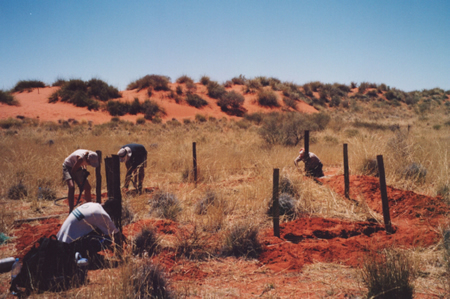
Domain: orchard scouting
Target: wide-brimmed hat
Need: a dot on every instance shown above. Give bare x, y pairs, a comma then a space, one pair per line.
124, 154
93, 159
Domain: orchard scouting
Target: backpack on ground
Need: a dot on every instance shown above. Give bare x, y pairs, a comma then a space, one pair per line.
50, 265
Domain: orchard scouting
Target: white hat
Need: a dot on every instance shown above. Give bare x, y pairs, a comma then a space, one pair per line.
124, 154
93, 159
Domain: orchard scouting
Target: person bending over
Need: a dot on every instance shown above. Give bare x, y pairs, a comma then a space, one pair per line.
74, 170
313, 165
135, 157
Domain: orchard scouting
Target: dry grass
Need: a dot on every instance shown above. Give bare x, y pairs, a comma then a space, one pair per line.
237, 165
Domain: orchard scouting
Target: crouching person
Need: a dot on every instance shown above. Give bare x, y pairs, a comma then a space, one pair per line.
313, 165
91, 228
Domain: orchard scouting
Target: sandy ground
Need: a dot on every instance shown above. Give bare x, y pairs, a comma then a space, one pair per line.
34, 104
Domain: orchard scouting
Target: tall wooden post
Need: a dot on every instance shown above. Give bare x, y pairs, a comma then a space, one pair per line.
384, 198
112, 170
98, 178
306, 154
194, 154
117, 192
346, 173
109, 175
276, 204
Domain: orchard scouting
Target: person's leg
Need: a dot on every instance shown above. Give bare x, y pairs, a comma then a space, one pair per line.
141, 179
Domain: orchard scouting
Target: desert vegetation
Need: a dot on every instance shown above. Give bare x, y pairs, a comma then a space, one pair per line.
223, 218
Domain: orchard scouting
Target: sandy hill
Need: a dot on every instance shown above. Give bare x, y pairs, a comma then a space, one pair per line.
34, 104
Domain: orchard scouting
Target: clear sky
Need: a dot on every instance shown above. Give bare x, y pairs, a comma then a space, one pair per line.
404, 44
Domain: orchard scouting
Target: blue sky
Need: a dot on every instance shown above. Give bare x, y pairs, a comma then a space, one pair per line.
404, 44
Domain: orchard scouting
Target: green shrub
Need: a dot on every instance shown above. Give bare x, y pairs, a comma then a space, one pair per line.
102, 91
179, 90
290, 103
231, 103
389, 275
215, 90
59, 82
135, 107
288, 128
184, 80
8, 99
156, 82
204, 80
242, 241
84, 94
195, 100
239, 80
267, 98
117, 108
27, 85
152, 110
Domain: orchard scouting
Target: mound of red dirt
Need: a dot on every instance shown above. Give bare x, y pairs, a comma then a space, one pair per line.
414, 217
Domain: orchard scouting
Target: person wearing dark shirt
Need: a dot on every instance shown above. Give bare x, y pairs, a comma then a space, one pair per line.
135, 157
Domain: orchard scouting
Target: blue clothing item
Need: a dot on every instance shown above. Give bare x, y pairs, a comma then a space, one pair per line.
138, 155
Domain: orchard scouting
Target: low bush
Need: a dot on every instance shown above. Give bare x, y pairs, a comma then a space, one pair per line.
146, 242
155, 82
267, 98
204, 80
369, 167
415, 172
215, 90
102, 91
288, 128
152, 111
8, 99
191, 243
148, 281
389, 275
18, 191
27, 85
286, 206
242, 241
200, 118
10, 123
231, 103
117, 108
165, 205
195, 100
290, 103
239, 80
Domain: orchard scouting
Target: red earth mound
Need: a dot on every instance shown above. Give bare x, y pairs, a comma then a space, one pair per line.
304, 241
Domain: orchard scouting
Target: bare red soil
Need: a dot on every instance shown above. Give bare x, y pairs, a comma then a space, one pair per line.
303, 241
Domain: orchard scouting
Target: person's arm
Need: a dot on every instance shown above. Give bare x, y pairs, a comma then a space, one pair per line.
79, 163
298, 159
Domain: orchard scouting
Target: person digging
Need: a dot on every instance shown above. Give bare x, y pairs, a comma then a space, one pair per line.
74, 170
313, 165
135, 157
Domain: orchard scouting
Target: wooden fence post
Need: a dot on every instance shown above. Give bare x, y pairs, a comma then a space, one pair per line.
194, 153
346, 173
276, 204
112, 170
306, 154
98, 178
384, 198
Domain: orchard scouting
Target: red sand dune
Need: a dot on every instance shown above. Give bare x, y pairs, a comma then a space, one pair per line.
34, 104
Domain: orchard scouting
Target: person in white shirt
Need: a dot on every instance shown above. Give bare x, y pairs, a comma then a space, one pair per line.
88, 218
74, 170
313, 165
